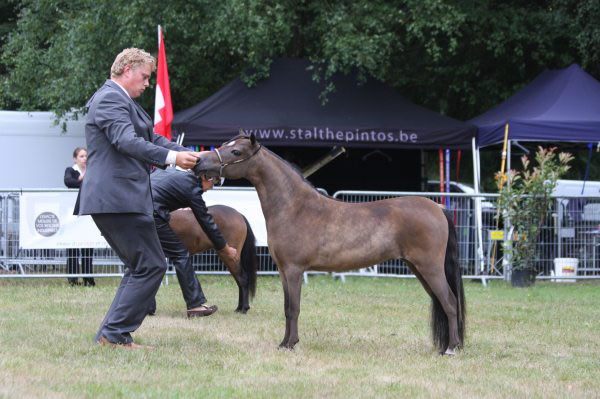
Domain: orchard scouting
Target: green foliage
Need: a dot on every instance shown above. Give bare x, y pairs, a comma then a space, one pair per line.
525, 199
459, 57
382, 39
62, 50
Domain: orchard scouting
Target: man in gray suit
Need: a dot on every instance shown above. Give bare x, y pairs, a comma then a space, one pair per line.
122, 149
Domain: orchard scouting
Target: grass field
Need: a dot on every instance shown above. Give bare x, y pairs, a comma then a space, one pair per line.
366, 338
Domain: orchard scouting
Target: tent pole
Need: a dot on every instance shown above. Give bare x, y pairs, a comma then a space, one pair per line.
457, 180
441, 157
476, 173
447, 176
504, 152
423, 171
324, 160
506, 261
587, 167
501, 184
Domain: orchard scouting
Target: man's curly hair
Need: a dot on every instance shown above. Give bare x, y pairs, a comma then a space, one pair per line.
131, 56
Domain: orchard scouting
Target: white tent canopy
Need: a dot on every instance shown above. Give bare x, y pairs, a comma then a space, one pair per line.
34, 152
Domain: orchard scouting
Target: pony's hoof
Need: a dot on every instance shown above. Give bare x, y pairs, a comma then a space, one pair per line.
449, 352
287, 345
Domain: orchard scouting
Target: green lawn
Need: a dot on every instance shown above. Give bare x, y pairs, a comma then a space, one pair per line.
366, 338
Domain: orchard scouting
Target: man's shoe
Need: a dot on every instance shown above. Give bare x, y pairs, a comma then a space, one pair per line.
152, 309
202, 311
133, 346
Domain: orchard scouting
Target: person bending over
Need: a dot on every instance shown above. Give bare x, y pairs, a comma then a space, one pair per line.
174, 189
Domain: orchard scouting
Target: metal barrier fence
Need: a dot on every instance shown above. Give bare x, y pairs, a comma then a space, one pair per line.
17, 262
572, 230
462, 209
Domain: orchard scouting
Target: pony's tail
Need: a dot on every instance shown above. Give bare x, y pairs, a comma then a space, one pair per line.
454, 278
249, 260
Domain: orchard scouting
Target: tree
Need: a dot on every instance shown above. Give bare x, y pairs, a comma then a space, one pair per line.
8, 16
459, 57
62, 49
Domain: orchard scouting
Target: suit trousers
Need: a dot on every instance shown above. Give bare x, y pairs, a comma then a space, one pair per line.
181, 259
133, 237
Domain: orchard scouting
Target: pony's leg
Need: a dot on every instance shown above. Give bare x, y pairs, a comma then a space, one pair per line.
450, 350
293, 277
421, 279
440, 288
286, 302
236, 278
244, 301
236, 273
240, 305
240, 294
243, 295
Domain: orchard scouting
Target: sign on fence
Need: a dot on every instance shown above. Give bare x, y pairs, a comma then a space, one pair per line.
245, 201
47, 221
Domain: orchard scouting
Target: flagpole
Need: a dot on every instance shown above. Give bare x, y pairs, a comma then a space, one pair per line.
163, 107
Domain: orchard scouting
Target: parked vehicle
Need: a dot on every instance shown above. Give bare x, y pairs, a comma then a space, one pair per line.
465, 222
574, 188
456, 187
575, 210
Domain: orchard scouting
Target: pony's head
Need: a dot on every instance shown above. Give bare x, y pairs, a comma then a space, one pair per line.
230, 160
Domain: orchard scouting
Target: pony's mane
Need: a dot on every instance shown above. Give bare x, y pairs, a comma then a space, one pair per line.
296, 170
239, 136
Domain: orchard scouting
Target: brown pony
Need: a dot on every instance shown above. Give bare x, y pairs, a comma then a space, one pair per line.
309, 231
236, 231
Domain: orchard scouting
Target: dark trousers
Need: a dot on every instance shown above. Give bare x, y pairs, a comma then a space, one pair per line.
133, 237
181, 259
86, 264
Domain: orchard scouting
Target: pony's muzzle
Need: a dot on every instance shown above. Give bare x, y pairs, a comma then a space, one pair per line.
197, 169
206, 166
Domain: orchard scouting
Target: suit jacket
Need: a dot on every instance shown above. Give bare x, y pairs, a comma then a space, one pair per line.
122, 148
174, 189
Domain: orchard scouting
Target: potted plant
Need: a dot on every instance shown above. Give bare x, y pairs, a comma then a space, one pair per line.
525, 199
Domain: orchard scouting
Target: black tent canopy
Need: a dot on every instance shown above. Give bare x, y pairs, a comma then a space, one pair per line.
285, 110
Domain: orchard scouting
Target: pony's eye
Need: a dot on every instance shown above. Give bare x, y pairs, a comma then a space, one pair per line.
236, 153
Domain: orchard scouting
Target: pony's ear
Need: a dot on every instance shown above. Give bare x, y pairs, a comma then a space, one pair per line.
252, 138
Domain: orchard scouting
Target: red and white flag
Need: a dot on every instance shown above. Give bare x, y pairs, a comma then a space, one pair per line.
163, 109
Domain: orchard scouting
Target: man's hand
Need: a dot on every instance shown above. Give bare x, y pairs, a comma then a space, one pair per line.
229, 255
186, 159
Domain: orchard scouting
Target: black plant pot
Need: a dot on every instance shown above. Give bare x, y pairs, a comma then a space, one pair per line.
522, 278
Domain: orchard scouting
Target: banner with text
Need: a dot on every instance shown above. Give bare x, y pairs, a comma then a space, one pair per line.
46, 220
